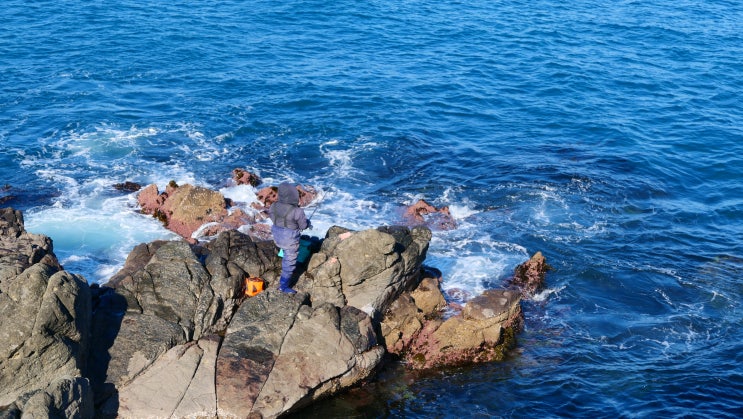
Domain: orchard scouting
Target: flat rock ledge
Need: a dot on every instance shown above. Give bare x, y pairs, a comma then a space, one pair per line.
173, 335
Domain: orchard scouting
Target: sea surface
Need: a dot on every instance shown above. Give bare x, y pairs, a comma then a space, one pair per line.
606, 134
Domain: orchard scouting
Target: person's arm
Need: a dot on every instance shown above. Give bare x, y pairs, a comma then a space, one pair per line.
301, 219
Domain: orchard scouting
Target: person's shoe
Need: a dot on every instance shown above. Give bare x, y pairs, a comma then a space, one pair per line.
287, 290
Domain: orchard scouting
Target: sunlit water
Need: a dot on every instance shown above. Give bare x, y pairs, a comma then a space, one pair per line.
607, 135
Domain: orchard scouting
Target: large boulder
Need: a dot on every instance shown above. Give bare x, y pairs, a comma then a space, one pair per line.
366, 269
183, 208
280, 354
161, 298
418, 329
45, 316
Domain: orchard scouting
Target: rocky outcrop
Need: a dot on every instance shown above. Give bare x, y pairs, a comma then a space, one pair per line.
244, 177
172, 334
278, 353
45, 316
530, 276
423, 213
268, 195
269, 367
184, 208
366, 269
196, 213
416, 329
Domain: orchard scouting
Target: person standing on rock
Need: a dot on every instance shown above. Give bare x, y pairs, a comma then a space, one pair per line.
288, 222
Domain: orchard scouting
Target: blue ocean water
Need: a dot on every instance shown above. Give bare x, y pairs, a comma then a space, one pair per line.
608, 135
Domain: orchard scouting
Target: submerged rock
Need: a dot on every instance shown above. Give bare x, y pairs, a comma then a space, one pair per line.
127, 186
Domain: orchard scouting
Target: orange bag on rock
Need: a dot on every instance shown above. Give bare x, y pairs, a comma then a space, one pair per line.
253, 286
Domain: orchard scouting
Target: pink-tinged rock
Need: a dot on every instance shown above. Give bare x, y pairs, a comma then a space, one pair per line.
484, 330
260, 232
483, 333
424, 213
268, 195
244, 177
458, 294
306, 195
189, 207
236, 219
185, 208
150, 200
530, 276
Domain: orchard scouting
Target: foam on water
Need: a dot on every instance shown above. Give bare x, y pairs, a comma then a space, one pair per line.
93, 226
95, 240
611, 142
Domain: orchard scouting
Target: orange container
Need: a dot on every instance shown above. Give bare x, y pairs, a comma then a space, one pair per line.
253, 286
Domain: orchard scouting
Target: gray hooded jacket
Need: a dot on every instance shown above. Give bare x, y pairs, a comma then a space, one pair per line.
286, 212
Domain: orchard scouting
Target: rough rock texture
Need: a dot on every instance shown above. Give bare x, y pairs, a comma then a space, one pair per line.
45, 316
184, 208
172, 334
180, 383
244, 177
197, 213
414, 329
157, 304
366, 269
268, 195
530, 276
268, 368
423, 213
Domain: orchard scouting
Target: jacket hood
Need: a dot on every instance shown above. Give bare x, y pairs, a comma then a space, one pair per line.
288, 194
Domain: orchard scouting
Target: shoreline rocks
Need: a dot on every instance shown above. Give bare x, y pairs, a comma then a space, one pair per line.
197, 211
172, 334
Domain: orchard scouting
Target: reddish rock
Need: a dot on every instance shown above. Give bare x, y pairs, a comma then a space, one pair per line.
424, 213
268, 195
236, 219
530, 275
150, 199
243, 177
189, 207
260, 232
482, 333
306, 195
425, 333
183, 209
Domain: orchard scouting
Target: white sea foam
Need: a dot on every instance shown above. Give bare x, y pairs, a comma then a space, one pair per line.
545, 294
95, 241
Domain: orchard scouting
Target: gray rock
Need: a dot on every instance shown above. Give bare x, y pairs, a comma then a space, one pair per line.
250, 348
45, 317
366, 269
180, 383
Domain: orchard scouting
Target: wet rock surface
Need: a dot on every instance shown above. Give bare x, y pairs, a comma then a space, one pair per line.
173, 335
